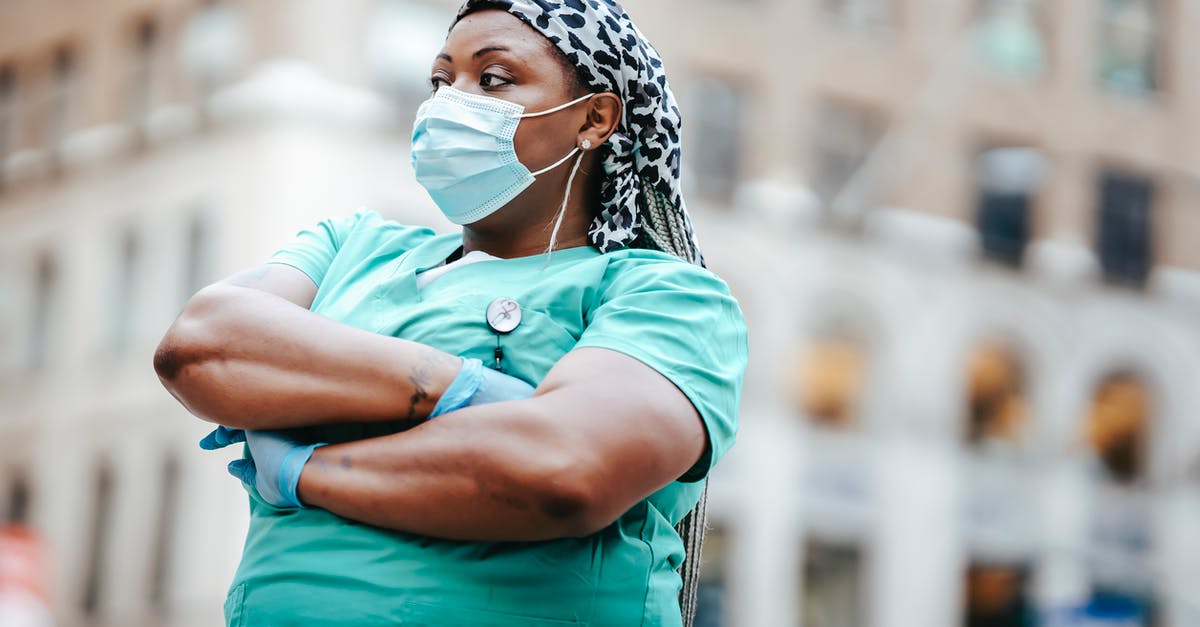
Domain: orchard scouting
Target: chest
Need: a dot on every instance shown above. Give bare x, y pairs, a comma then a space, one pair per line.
452, 313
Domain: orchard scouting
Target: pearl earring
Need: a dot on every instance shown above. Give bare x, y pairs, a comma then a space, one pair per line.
587, 144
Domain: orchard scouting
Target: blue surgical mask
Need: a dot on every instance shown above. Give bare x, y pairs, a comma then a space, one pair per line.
463, 152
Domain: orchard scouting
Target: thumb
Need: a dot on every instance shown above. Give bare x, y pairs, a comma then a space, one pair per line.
243, 469
222, 437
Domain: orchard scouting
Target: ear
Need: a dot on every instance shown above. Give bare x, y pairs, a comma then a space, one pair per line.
603, 117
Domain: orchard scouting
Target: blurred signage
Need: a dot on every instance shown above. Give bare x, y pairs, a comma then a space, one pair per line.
24, 597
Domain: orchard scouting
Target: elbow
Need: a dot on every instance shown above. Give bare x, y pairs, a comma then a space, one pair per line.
572, 499
191, 338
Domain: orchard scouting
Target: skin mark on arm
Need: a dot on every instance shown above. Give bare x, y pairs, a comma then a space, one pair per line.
422, 377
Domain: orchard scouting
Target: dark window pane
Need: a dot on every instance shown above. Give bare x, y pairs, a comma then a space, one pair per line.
1124, 228
834, 593
1004, 226
1008, 179
18, 501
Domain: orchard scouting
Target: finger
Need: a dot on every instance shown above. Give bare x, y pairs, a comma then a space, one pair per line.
222, 437
243, 469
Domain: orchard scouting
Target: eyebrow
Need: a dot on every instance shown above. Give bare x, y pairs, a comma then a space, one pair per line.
478, 53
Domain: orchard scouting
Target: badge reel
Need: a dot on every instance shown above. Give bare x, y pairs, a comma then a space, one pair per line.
503, 316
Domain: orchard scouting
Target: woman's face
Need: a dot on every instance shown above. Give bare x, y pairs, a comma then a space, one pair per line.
492, 53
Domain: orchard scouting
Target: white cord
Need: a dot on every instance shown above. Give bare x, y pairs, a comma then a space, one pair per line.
563, 212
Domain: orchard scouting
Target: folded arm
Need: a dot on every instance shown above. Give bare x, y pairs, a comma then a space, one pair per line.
246, 352
602, 432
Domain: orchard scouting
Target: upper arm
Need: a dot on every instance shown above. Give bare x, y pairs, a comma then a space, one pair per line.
681, 323
283, 281
295, 271
630, 427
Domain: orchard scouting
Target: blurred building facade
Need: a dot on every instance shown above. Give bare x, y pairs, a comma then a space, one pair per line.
966, 234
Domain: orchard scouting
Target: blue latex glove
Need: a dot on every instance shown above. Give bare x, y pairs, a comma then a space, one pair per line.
476, 385
274, 469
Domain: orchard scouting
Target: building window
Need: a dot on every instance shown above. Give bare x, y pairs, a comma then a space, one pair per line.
834, 585
830, 380
164, 538
62, 96
1010, 37
1007, 180
712, 602
846, 135
125, 294
998, 594
213, 45
96, 564
1124, 227
45, 296
17, 512
8, 115
198, 257
715, 153
143, 75
996, 403
1118, 425
1130, 46
870, 16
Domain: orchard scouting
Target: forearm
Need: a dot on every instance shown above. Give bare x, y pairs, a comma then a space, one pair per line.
244, 358
496, 473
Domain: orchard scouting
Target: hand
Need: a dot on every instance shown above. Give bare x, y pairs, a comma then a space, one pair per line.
273, 469
476, 385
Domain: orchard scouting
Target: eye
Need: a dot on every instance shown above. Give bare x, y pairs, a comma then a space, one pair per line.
492, 81
437, 81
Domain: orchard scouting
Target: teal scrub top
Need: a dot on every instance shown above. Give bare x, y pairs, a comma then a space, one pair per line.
311, 567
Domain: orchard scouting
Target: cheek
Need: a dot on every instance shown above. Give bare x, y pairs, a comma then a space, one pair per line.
541, 142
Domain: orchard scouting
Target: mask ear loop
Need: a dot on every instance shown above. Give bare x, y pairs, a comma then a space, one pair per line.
566, 198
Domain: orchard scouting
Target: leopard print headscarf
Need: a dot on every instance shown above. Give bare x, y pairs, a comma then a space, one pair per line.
641, 201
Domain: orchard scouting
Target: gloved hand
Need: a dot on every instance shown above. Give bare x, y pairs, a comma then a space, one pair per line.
274, 469
476, 385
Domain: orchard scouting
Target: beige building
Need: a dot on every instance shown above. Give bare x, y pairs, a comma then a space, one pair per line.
966, 234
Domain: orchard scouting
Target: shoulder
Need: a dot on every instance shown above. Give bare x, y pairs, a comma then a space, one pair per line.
650, 270
370, 223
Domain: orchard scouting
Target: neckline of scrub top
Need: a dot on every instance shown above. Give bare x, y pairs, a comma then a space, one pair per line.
439, 248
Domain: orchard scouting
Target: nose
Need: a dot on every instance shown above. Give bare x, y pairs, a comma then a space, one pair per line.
466, 84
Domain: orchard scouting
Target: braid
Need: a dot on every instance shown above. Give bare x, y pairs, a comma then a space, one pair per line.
665, 227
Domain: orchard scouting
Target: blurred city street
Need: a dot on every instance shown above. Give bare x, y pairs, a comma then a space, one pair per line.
965, 235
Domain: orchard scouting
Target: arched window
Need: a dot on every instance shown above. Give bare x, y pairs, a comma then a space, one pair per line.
829, 379
997, 594
996, 407
1118, 425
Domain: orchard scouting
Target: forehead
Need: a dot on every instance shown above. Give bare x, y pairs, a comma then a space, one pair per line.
493, 27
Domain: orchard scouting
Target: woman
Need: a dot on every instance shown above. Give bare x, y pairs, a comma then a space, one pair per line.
401, 468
